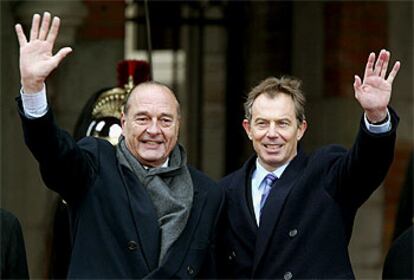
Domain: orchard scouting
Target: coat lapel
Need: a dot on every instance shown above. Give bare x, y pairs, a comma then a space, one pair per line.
146, 220
274, 206
239, 214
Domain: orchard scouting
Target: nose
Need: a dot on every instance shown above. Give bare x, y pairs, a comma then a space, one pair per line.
153, 128
272, 131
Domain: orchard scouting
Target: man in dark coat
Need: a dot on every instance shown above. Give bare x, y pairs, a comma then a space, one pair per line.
13, 262
288, 215
137, 210
398, 263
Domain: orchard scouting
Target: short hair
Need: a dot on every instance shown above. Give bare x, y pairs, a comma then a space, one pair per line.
152, 83
273, 86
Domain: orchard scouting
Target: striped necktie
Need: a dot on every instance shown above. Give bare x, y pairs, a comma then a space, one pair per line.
268, 181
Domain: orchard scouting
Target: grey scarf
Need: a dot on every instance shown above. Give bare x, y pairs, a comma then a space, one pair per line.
170, 188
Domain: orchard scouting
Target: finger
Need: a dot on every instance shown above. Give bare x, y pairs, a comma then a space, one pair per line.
379, 63
54, 30
357, 82
385, 64
61, 54
369, 66
20, 35
394, 72
34, 31
44, 28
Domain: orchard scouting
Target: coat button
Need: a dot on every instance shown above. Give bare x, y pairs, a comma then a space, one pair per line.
288, 276
190, 270
132, 245
293, 232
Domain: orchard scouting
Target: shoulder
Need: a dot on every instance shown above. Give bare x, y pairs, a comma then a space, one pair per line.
239, 174
200, 176
96, 146
226, 180
9, 223
331, 151
204, 182
7, 218
91, 143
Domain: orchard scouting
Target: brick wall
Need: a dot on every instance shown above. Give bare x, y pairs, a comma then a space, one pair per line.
352, 31
392, 186
105, 20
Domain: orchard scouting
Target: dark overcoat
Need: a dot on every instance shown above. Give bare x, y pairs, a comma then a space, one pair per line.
307, 221
114, 225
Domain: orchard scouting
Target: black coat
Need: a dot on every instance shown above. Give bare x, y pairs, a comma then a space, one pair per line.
115, 232
13, 263
398, 262
307, 220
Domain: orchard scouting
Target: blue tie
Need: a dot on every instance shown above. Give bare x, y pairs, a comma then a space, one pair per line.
268, 181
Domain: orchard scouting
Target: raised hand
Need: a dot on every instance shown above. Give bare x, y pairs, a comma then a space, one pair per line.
36, 58
374, 92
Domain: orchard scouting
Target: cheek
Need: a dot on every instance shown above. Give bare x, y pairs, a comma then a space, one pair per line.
258, 135
288, 135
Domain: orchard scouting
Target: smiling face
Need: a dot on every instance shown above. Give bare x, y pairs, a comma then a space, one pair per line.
274, 129
151, 124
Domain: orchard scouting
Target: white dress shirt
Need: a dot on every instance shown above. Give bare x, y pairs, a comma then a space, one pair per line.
258, 185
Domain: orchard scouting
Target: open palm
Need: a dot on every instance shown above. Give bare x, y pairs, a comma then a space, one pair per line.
36, 58
374, 92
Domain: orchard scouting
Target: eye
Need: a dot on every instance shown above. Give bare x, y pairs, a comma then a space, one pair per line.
261, 124
284, 124
166, 122
142, 120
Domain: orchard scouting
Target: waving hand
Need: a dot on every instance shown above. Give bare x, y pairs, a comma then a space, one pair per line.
36, 58
374, 92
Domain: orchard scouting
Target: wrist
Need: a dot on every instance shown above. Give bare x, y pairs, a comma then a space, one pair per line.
377, 118
32, 86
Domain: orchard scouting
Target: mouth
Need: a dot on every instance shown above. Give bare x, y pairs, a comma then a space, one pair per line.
152, 143
273, 147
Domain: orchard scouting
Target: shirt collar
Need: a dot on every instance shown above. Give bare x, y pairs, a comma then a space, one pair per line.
260, 172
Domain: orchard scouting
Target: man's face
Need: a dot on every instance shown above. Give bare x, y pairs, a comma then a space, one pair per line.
274, 130
151, 125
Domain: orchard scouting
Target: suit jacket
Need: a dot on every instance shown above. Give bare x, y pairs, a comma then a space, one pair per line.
306, 223
115, 232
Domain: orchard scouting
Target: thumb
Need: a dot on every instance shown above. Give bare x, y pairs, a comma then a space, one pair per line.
61, 54
357, 83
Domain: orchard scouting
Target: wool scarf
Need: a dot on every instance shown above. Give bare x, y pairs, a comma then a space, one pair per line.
170, 189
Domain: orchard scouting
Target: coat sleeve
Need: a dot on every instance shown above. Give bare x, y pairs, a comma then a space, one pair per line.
66, 166
361, 170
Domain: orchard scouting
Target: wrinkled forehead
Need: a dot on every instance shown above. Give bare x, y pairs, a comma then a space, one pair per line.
277, 104
156, 96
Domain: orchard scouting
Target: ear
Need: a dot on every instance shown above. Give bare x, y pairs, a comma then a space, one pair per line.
301, 130
247, 128
123, 121
177, 127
